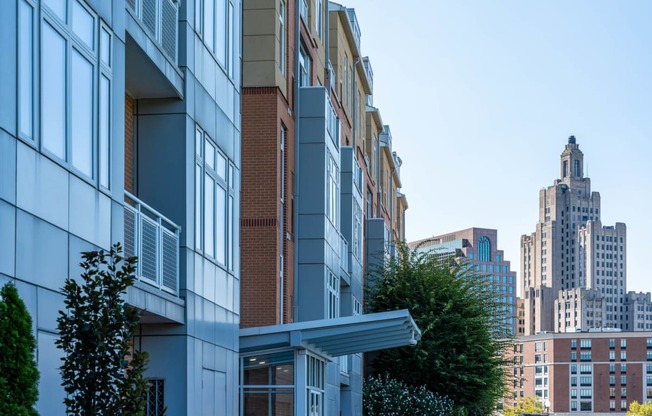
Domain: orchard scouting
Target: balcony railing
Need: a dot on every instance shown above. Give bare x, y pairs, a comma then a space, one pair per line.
160, 19
155, 241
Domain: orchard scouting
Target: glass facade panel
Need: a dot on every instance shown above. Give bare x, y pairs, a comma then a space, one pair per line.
209, 216
26, 69
53, 91
104, 130
82, 114
220, 226
83, 24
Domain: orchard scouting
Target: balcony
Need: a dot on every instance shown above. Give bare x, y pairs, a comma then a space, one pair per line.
155, 241
159, 19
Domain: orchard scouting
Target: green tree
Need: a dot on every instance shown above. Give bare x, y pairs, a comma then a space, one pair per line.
638, 409
460, 352
102, 373
385, 396
526, 405
18, 372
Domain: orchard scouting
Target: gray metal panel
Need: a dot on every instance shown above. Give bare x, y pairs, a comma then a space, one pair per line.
7, 239
90, 213
41, 186
7, 166
41, 252
49, 360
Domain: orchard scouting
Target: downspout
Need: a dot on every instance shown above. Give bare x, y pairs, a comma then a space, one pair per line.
297, 176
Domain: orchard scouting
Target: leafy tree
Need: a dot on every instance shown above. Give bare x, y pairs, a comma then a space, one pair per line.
460, 353
102, 373
18, 372
529, 405
638, 409
385, 396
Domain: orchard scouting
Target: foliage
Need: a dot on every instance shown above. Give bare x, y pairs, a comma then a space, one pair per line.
460, 353
638, 409
526, 405
101, 372
18, 372
385, 396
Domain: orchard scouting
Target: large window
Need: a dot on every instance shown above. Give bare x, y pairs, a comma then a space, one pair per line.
315, 386
484, 249
26, 69
305, 64
75, 87
214, 201
332, 190
332, 295
214, 23
281, 36
268, 384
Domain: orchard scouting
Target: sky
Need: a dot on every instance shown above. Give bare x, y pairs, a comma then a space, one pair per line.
482, 95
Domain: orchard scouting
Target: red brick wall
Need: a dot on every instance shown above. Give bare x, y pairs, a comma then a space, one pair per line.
264, 110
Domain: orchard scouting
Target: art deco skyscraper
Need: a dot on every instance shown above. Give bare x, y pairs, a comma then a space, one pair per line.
573, 269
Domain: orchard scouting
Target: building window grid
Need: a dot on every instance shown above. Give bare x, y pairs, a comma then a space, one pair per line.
75, 108
333, 296
214, 201
332, 190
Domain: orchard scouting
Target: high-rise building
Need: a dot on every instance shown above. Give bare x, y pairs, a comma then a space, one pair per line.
120, 122
320, 200
477, 249
573, 268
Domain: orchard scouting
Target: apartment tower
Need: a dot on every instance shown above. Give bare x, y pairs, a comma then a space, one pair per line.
314, 155
574, 269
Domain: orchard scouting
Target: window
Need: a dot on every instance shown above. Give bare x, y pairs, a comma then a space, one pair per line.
623, 380
315, 387
585, 356
215, 30
623, 405
484, 249
576, 166
320, 19
214, 201
612, 355
26, 70
305, 64
333, 293
623, 343
573, 343
155, 398
586, 369
357, 231
268, 383
281, 36
585, 343
332, 190
623, 355
75, 86
565, 168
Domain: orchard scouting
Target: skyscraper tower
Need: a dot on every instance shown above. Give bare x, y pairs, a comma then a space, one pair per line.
573, 269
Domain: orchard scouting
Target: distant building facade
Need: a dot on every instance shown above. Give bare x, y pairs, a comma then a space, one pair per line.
573, 268
478, 249
589, 372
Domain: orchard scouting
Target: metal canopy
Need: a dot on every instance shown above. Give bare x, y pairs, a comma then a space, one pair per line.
336, 337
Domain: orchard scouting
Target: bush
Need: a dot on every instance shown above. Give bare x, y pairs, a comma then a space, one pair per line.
384, 396
18, 372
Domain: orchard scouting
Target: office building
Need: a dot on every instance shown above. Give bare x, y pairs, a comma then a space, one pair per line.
600, 372
573, 268
477, 249
120, 122
315, 154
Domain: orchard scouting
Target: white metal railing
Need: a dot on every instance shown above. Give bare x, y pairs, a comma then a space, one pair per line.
154, 239
160, 19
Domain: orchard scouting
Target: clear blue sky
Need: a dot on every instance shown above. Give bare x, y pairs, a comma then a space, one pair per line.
482, 95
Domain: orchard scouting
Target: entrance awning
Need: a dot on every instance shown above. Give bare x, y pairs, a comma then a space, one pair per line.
336, 337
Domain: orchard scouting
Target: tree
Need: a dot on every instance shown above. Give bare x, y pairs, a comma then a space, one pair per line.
102, 373
385, 396
638, 409
459, 355
18, 372
529, 405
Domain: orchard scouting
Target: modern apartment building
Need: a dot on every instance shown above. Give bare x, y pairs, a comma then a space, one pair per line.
477, 249
574, 269
314, 163
590, 372
120, 122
